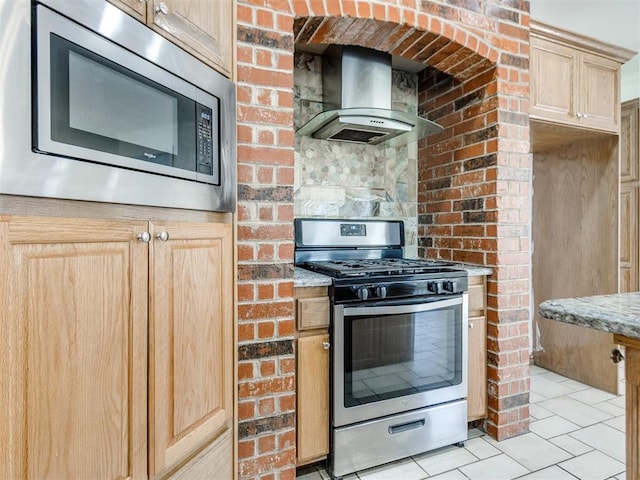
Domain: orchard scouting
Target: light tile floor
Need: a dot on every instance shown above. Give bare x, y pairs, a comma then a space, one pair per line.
576, 432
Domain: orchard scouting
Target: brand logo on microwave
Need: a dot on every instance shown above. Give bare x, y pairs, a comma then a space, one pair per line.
149, 155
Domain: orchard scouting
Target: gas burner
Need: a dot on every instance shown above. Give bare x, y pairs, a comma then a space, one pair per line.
379, 267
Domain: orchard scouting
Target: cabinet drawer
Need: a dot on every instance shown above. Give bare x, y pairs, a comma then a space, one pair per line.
477, 296
313, 313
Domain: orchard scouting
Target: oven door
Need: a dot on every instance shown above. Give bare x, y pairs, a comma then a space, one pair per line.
391, 358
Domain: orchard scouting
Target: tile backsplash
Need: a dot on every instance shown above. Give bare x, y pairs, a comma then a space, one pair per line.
339, 179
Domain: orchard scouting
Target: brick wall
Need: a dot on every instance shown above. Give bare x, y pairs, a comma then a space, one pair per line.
473, 186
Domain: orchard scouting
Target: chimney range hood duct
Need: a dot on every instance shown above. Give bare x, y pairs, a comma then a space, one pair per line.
356, 83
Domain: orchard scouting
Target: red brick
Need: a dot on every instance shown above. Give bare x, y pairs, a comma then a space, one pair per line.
245, 371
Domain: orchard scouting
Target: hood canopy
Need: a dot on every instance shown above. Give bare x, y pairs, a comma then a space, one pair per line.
357, 86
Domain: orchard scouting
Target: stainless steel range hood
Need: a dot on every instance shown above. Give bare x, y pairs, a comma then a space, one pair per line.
356, 86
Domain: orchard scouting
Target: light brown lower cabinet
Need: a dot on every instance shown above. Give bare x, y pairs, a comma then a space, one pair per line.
477, 373
313, 398
116, 355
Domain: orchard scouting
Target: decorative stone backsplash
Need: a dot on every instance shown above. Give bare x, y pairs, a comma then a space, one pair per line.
348, 180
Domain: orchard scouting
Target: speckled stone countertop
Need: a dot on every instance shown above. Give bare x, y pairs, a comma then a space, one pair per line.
307, 278
616, 313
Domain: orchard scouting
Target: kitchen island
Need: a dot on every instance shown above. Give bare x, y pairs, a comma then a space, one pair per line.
618, 314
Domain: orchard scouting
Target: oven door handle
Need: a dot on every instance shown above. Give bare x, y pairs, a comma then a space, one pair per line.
399, 309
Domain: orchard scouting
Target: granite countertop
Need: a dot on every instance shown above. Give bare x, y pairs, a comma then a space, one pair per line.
307, 278
616, 313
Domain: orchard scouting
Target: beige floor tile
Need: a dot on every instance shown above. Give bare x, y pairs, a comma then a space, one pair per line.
481, 448
533, 451
618, 423
310, 476
405, 469
543, 386
537, 412
592, 395
452, 475
552, 427
575, 411
551, 473
500, 467
594, 465
610, 408
571, 445
575, 385
604, 438
443, 461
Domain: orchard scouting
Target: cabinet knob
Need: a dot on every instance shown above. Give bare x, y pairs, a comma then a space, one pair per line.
326, 345
579, 115
470, 325
163, 236
144, 237
616, 356
162, 8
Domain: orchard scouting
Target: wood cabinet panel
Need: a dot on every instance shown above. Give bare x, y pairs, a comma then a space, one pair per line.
552, 85
575, 229
202, 27
313, 313
630, 141
575, 82
74, 346
629, 209
477, 391
313, 398
477, 296
599, 95
191, 396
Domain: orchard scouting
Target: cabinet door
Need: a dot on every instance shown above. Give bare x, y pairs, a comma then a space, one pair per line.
73, 351
477, 386
313, 398
191, 343
629, 208
553, 76
202, 27
136, 8
630, 141
599, 92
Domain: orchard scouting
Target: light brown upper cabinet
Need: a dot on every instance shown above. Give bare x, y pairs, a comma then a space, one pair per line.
574, 80
575, 87
203, 28
116, 349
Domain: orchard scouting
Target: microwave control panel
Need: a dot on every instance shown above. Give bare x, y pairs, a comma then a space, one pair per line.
205, 136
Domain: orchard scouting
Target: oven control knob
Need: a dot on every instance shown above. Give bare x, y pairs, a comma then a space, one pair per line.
450, 286
381, 292
363, 293
435, 287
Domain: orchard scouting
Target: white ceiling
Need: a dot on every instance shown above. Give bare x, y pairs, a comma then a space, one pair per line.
612, 21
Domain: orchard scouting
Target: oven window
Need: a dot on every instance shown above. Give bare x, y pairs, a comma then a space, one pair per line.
391, 356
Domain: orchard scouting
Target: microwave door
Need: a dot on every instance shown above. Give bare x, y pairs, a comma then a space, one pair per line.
96, 102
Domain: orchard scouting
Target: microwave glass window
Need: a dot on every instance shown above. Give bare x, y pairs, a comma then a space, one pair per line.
120, 107
101, 106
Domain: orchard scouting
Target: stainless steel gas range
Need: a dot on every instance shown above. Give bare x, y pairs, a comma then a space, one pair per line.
398, 340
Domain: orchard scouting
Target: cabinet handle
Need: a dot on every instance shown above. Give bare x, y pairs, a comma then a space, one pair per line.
162, 8
163, 236
326, 345
579, 115
470, 325
144, 237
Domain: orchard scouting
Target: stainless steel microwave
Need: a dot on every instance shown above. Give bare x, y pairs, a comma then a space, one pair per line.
117, 113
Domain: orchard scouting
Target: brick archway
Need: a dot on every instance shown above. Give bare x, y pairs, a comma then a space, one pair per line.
473, 185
